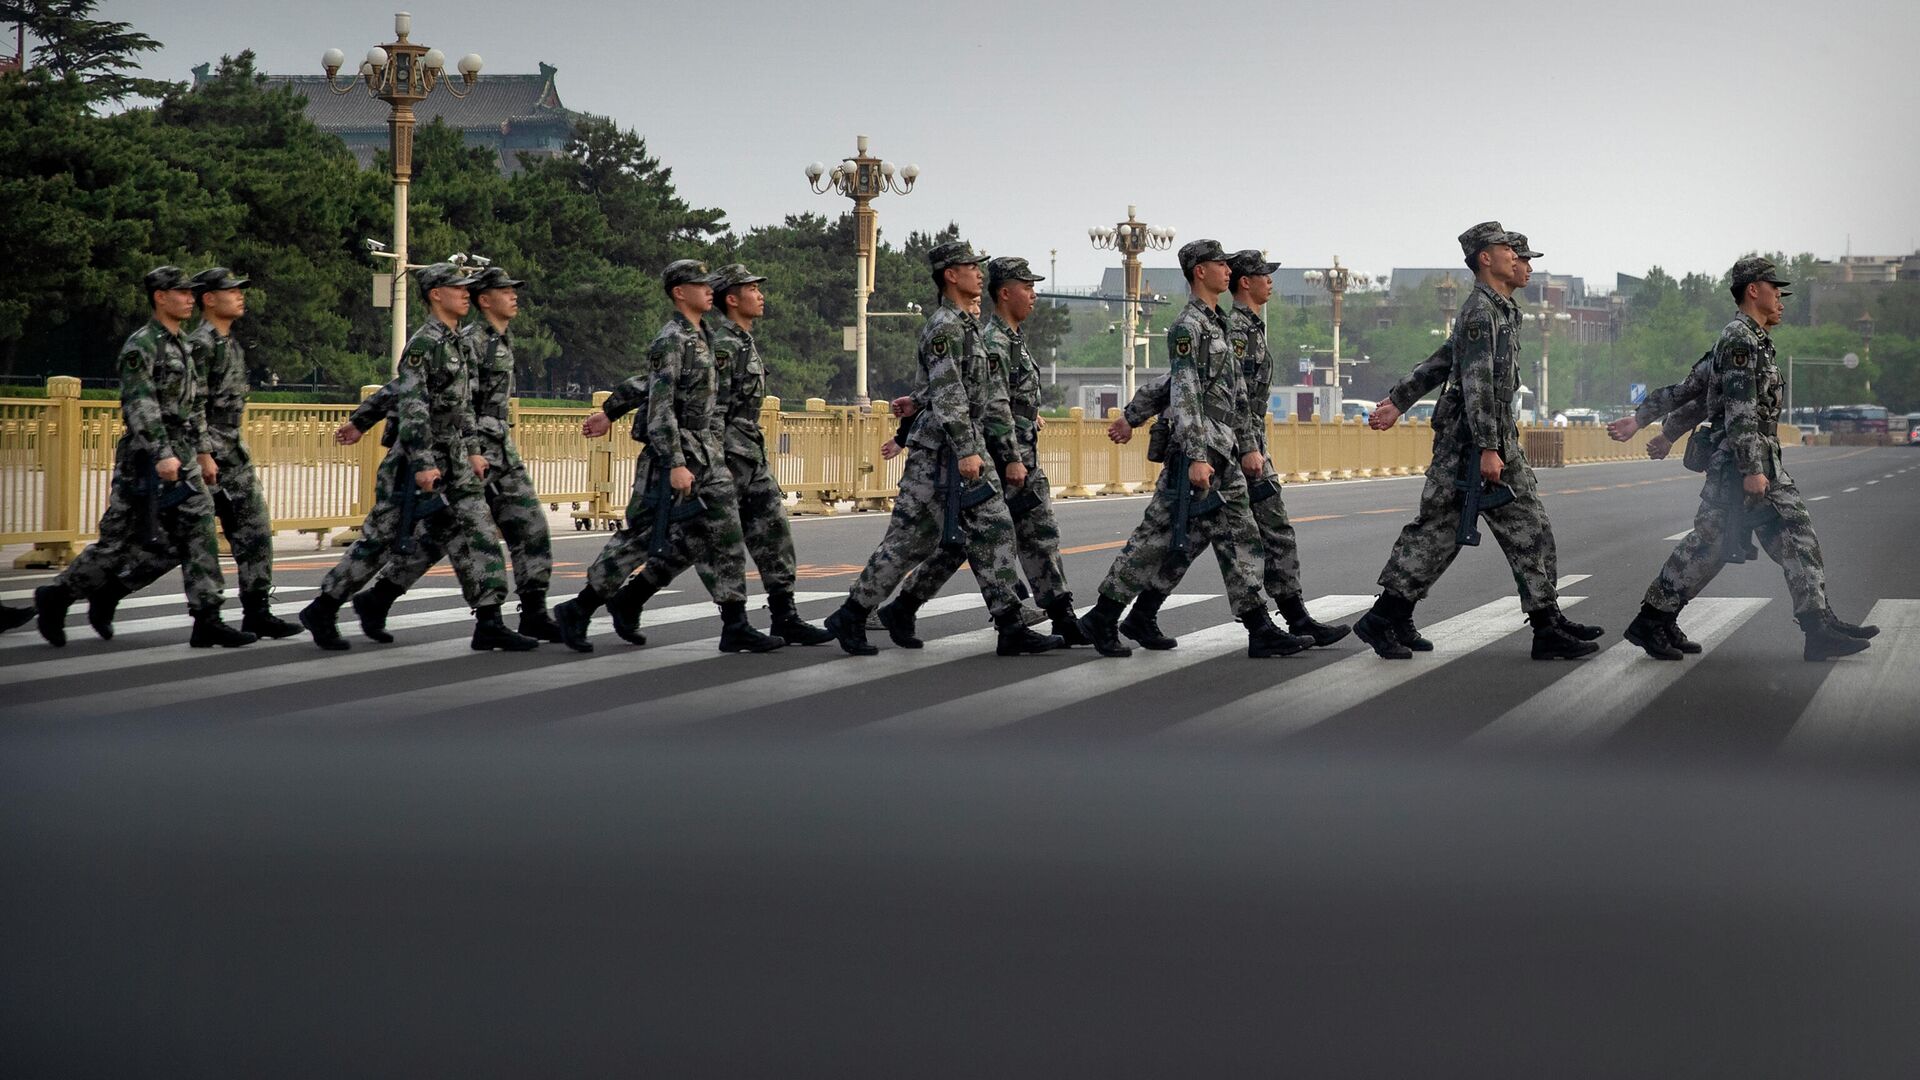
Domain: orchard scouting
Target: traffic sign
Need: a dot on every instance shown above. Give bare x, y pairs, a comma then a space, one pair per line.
1637, 392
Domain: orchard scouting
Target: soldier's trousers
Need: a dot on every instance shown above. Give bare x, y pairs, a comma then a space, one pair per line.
1231, 531
913, 535
1282, 560
1036, 545
764, 524
191, 544
1788, 539
714, 539
1429, 542
522, 520
467, 535
242, 516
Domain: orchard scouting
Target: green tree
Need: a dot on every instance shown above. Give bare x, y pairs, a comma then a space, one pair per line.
100, 54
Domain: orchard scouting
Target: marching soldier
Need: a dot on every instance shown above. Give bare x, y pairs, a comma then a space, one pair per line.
742, 375
964, 423
437, 450
159, 498
1213, 448
1251, 285
1016, 378
510, 494
1474, 424
674, 403
1747, 486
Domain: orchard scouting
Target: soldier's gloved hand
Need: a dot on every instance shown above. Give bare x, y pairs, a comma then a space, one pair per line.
970, 468
1120, 431
904, 407
1384, 415
1658, 446
209, 470
1253, 463
479, 463
889, 450
1754, 484
1200, 475
346, 434
681, 479
168, 468
596, 425
1622, 429
426, 478
1491, 466
1016, 475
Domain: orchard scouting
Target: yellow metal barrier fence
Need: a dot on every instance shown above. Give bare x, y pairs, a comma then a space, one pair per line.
56, 460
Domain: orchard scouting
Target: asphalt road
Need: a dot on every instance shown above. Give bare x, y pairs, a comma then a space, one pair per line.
413, 860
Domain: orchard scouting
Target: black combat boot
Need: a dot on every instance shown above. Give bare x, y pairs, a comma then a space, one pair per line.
490, 632
319, 617
788, 624
1379, 627
1651, 631
257, 618
738, 635
1678, 639
1847, 629
1102, 627
1267, 640
849, 624
1019, 639
1066, 625
11, 617
573, 617
209, 630
372, 604
102, 605
626, 604
1142, 623
897, 618
1301, 624
1552, 643
50, 604
535, 622
1823, 641
1573, 629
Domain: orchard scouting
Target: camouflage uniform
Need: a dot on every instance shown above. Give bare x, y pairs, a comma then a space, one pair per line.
1016, 381
1207, 408
433, 427
159, 404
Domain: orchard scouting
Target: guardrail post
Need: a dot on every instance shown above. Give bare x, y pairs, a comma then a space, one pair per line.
600, 471
1076, 478
814, 498
1116, 478
370, 453
862, 446
60, 441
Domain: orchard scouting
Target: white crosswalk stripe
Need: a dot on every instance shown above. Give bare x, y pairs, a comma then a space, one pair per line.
1010, 704
76, 619
1869, 701
161, 599
1596, 699
709, 703
1305, 700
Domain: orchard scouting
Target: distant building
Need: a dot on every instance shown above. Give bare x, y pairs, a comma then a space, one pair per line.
1870, 269
510, 115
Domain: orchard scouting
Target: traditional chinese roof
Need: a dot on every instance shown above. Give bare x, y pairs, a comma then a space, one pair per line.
495, 103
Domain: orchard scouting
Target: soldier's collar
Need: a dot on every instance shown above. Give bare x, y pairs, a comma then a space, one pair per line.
1504, 303
1001, 322
1248, 312
1753, 326
177, 335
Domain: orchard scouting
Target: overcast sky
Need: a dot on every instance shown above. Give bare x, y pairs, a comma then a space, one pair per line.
1617, 135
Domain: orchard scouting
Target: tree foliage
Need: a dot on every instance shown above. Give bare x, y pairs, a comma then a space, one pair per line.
99, 53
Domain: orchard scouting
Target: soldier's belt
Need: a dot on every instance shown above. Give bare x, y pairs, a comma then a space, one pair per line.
1221, 414
1026, 412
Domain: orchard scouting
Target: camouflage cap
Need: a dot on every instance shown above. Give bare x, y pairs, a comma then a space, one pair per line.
165, 279
493, 277
1483, 236
1518, 241
1009, 268
1756, 268
441, 275
954, 253
731, 276
1250, 263
1195, 252
215, 278
684, 272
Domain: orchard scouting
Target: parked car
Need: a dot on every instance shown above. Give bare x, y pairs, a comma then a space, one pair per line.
1355, 409
1422, 411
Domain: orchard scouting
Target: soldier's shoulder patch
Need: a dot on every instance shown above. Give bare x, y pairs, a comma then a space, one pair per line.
1181, 337
1240, 347
1740, 356
940, 346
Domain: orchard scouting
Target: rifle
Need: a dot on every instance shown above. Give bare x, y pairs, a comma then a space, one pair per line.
224, 509
667, 512
153, 495
1262, 489
416, 506
1185, 508
1736, 545
960, 496
1477, 498
1025, 500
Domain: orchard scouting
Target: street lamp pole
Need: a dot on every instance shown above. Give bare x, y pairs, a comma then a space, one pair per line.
862, 178
1449, 292
401, 73
1130, 238
1547, 316
1336, 278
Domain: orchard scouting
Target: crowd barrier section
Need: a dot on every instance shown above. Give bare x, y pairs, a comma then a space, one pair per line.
56, 461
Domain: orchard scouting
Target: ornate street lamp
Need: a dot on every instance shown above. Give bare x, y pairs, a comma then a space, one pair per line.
401, 73
1130, 238
1546, 316
1336, 279
1449, 292
862, 178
